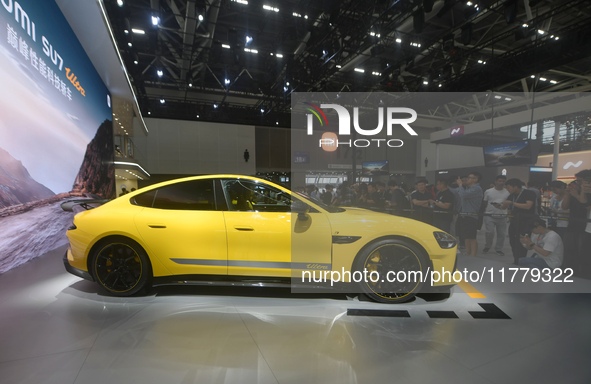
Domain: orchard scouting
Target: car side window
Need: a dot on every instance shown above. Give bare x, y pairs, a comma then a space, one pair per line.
248, 195
194, 195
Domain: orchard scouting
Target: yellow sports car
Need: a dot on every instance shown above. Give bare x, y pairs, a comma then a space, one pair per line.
241, 230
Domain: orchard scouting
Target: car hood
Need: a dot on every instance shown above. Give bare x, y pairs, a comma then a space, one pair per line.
359, 221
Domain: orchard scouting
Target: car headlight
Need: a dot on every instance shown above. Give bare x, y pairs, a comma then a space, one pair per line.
445, 240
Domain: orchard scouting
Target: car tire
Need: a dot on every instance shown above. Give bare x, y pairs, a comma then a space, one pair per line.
121, 267
396, 255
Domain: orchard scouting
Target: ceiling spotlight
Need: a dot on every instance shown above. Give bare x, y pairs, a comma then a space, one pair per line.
248, 39
120, 3
339, 66
285, 89
226, 81
215, 106
276, 123
136, 62
129, 44
262, 110
287, 83
159, 73
226, 46
138, 31
126, 31
279, 55
162, 101
197, 116
155, 20
200, 17
398, 40
359, 70
190, 85
270, 8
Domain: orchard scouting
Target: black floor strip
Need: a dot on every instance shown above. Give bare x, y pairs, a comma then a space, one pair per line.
377, 312
442, 315
491, 311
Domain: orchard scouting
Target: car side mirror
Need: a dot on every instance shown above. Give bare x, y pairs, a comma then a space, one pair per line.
300, 208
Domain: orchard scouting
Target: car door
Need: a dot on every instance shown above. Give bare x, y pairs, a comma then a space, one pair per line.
183, 226
262, 232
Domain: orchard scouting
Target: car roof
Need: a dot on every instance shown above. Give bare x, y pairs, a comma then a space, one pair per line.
204, 177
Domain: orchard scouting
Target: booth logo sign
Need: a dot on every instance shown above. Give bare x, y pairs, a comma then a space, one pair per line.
457, 131
394, 116
571, 164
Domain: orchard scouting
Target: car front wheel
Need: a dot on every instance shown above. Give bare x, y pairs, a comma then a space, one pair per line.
393, 270
121, 266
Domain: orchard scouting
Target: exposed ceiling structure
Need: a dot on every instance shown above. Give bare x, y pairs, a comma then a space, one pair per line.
238, 61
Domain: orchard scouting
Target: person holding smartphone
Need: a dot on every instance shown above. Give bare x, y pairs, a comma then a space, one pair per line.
521, 207
495, 217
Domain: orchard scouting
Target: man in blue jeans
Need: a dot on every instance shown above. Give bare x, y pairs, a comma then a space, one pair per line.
470, 199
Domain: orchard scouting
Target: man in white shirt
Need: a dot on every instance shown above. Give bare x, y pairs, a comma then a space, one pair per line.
545, 248
495, 217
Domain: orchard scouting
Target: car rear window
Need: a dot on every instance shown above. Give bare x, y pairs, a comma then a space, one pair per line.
195, 195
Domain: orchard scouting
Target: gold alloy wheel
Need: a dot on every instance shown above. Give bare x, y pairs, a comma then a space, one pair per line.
394, 271
121, 267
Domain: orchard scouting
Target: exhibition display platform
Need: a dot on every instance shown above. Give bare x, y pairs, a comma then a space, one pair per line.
57, 328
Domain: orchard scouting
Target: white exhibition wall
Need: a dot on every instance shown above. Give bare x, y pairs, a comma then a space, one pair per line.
194, 147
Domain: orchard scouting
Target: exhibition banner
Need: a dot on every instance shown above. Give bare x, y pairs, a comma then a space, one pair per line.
56, 134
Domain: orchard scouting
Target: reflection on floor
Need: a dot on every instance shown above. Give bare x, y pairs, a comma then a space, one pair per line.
55, 328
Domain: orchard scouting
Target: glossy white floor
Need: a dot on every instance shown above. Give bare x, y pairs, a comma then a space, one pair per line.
55, 328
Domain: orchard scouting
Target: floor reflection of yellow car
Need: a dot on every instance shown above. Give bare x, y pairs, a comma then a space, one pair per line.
240, 230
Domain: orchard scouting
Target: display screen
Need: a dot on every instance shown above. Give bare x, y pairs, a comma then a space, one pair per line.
515, 153
375, 168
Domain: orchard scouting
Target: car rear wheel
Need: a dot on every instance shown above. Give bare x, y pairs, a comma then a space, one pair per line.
393, 270
121, 266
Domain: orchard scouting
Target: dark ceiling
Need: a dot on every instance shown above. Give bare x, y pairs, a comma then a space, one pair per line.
210, 72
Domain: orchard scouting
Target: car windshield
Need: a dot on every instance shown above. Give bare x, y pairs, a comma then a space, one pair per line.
328, 208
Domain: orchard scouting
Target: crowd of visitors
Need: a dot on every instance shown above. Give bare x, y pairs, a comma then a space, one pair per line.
557, 233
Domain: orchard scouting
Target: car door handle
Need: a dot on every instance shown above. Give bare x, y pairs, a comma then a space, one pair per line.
157, 226
244, 228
